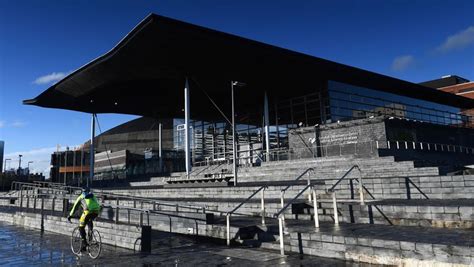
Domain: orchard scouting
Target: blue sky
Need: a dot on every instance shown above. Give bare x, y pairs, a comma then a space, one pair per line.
41, 41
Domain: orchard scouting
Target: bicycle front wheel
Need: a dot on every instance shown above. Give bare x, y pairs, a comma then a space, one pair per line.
95, 244
76, 241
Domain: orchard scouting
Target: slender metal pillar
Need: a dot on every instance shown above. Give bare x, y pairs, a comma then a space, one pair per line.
160, 143
267, 127
73, 165
186, 129
92, 155
65, 164
82, 165
234, 146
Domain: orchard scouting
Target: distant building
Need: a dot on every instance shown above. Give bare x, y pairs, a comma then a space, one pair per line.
455, 85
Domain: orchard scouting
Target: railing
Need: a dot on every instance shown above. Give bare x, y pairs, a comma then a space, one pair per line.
262, 189
39, 189
408, 181
372, 196
156, 204
280, 214
333, 191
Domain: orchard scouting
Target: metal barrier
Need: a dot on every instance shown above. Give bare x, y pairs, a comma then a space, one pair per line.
262, 188
408, 181
333, 191
156, 204
280, 214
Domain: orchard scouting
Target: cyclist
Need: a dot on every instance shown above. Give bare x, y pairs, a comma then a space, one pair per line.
91, 208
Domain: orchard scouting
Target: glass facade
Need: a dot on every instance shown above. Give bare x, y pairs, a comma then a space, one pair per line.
349, 102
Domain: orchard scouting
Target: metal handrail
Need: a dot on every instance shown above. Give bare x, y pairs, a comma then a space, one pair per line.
281, 218
148, 200
291, 201
309, 171
262, 188
246, 200
408, 181
344, 176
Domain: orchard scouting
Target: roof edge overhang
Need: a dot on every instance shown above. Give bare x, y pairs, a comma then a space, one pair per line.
431, 95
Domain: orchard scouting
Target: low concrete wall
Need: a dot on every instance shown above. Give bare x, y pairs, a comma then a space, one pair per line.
125, 236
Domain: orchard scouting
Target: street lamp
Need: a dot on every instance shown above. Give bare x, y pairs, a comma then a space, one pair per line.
5, 165
234, 145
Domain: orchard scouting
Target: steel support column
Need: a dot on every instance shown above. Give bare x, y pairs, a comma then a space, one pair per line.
160, 146
92, 155
234, 145
267, 127
187, 141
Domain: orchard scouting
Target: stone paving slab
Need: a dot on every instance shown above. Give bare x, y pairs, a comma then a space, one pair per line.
28, 247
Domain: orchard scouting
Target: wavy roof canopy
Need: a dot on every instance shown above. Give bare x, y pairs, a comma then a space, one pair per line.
144, 74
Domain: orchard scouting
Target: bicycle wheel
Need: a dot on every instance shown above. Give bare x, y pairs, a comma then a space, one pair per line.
95, 245
76, 241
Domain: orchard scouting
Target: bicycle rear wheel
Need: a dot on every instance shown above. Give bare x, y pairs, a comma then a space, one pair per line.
95, 244
76, 241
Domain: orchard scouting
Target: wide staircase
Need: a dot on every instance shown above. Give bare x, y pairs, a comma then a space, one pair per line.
373, 210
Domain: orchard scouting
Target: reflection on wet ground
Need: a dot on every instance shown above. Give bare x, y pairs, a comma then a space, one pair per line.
27, 247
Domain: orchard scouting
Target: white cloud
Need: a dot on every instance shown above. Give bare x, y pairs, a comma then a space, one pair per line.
457, 41
401, 63
18, 124
50, 78
41, 158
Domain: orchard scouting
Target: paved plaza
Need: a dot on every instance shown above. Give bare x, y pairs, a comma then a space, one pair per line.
28, 247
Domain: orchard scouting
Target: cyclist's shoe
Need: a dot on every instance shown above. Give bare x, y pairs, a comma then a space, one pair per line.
84, 246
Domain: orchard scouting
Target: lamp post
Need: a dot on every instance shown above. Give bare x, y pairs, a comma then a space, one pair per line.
234, 144
5, 165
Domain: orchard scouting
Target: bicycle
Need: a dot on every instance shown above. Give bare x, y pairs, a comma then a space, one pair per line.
94, 242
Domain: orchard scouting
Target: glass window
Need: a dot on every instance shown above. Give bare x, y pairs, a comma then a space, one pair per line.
351, 102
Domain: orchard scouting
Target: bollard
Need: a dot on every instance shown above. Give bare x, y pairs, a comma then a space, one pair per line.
141, 218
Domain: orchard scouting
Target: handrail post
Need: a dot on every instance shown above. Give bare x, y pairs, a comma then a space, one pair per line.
315, 208
282, 201
361, 187
53, 203
334, 206
21, 199
263, 206
280, 230
227, 218
117, 211
407, 185
309, 183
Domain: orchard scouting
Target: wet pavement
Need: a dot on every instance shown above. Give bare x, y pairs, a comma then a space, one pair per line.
28, 247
